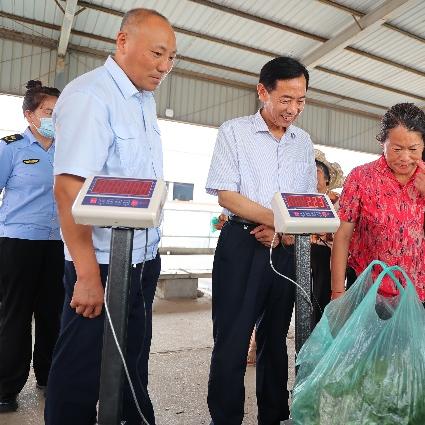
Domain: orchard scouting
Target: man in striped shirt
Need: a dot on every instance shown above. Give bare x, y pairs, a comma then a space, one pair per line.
255, 157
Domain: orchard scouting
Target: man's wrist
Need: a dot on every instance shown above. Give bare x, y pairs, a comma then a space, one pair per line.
87, 270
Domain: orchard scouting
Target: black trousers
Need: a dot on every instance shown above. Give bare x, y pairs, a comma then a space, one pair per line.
321, 279
31, 274
74, 379
245, 291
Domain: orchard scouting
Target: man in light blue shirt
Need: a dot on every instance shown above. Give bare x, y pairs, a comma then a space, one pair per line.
106, 123
255, 157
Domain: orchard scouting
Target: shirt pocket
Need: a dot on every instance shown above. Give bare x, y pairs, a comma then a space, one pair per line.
128, 148
32, 170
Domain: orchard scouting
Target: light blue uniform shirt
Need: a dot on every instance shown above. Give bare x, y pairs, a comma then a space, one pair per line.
28, 210
249, 160
104, 125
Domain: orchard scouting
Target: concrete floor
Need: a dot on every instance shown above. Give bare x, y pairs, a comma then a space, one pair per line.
179, 366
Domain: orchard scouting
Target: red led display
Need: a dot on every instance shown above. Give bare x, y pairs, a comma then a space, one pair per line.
305, 201
122, 187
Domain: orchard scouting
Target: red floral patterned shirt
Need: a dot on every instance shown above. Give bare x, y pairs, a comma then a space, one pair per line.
389, 222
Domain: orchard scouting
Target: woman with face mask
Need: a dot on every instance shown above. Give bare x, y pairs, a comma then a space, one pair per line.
31, 250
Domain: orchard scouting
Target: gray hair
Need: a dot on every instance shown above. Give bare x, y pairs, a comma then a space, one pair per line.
138, 14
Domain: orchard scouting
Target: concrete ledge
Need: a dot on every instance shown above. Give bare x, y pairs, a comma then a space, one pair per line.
186, 251
179, 283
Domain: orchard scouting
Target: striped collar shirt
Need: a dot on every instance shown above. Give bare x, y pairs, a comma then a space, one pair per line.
249, 160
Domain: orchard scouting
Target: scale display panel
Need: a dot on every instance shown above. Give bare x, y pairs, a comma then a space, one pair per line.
119, 192
120, 202
303, 213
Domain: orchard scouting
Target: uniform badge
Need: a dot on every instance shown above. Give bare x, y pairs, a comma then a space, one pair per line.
12, 138
30, 161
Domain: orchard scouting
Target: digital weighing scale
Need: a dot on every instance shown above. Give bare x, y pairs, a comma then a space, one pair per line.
120, 202
124, 204
303, 214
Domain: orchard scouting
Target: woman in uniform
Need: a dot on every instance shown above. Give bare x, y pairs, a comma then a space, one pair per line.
31, 250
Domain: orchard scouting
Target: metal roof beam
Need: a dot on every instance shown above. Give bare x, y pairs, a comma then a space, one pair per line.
369, 83
255, 75
355, 31
217, 40
309, 101
259, 19
112, 41
65, 33
319, 68
68, 18
193, 60
51, 44
355, 12
218, 66
347, 98
28, 39
343, 109
180, 30
287, 28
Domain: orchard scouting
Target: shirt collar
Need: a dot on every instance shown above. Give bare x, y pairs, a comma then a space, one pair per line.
382, 166
28, 134
121, 79
30, 137
260, 125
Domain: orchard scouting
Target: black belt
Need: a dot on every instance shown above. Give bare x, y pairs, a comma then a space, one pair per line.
240, 220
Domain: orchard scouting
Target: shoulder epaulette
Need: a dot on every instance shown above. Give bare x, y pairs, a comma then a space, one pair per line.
12, 138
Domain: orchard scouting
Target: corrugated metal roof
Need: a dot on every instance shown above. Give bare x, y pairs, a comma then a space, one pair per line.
293, 13
412, 20
393, 46
361, 5
228, 41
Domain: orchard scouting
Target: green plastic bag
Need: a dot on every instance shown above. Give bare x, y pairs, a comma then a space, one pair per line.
364, 363
214, 222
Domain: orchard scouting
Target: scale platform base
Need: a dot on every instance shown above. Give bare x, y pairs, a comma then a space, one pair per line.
287, 422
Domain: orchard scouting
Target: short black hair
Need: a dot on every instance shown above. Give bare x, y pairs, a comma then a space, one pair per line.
406, 115
36, 93
282, 68
325, 169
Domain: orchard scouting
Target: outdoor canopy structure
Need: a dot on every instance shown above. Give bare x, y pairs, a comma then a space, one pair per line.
363, 55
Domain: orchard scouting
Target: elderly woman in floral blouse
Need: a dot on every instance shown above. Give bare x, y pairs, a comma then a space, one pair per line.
382, 206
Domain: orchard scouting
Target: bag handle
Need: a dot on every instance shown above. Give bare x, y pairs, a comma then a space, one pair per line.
389, 270
371, 265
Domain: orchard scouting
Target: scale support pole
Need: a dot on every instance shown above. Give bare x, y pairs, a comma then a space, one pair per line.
303, 313
112, 369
